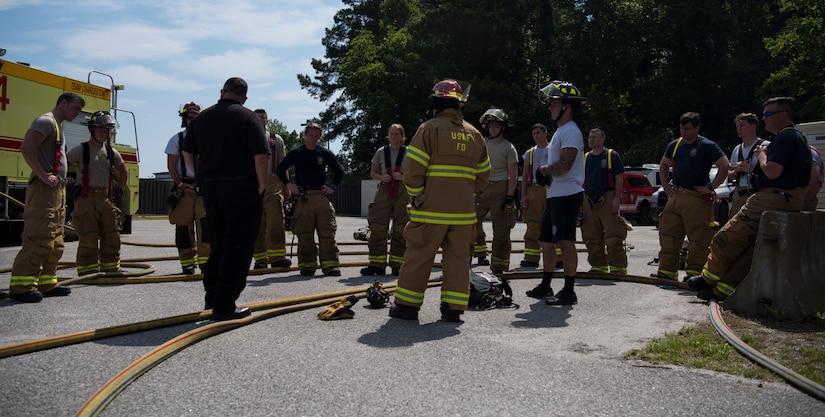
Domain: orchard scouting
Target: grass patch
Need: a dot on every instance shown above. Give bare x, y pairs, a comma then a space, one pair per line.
799, 346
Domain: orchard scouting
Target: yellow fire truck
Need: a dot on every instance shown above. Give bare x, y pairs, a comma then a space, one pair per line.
26, 93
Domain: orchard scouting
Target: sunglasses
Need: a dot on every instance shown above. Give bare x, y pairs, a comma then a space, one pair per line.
771, 113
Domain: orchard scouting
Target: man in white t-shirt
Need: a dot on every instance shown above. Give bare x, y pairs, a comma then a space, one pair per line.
188, 214
565, 169
742, 160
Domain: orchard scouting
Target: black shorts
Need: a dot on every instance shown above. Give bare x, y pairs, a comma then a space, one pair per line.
558, 222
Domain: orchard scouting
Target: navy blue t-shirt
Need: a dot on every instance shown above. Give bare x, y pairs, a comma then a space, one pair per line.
310, 167
692, 162
596, 173
790, 150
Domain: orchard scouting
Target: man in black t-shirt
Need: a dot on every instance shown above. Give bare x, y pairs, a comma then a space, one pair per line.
313, 210
689, 208
225, 148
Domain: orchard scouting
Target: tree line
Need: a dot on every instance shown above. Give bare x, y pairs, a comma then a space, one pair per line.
642, 63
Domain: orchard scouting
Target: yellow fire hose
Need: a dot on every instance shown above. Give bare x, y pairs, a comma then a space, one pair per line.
805, 384
107, 393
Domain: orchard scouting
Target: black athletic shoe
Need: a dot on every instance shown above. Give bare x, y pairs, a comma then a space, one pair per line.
373, 270
453, 316
562, 298
403, 312
482, 260
540, 292
239, 313
698, 283
32, 296
58, 292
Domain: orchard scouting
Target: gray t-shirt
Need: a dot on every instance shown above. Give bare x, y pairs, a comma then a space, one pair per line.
502, 154
378, 159
47, 126
99, 167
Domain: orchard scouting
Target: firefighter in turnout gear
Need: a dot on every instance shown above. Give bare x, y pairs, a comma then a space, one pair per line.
533, 195
34, 272
313, 210
270, 247
96, 217
446, 165
689, 208
189, 214
603, 231
497, 197
390, 203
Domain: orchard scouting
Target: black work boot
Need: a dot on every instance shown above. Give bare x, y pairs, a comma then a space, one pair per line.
401, 311
453, 316
373, 270
698, 283
32, 296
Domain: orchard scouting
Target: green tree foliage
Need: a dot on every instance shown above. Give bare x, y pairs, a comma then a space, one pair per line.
641, 62
799, 44
291, 139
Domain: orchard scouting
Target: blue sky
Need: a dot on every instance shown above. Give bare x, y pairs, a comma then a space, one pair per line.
168, 53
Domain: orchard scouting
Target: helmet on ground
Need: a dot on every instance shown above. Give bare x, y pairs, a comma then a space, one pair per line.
100, 118
450, 89
377, 296
567, 92
190, 107
496, 114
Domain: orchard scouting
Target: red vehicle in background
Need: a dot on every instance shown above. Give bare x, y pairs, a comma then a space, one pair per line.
637, 198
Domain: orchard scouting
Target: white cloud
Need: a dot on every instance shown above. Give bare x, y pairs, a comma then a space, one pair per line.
168, 53
142, 77
126, 41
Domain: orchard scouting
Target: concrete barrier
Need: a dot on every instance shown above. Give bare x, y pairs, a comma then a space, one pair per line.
787, 277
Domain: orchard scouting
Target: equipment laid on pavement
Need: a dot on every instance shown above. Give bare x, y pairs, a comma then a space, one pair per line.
487, 292
338, 310
377, 297
362, 234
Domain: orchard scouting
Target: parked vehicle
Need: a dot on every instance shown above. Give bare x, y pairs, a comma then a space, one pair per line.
27, 92
637, 197
721, 207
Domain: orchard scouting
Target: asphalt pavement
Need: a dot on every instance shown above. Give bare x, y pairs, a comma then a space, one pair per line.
531, 361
